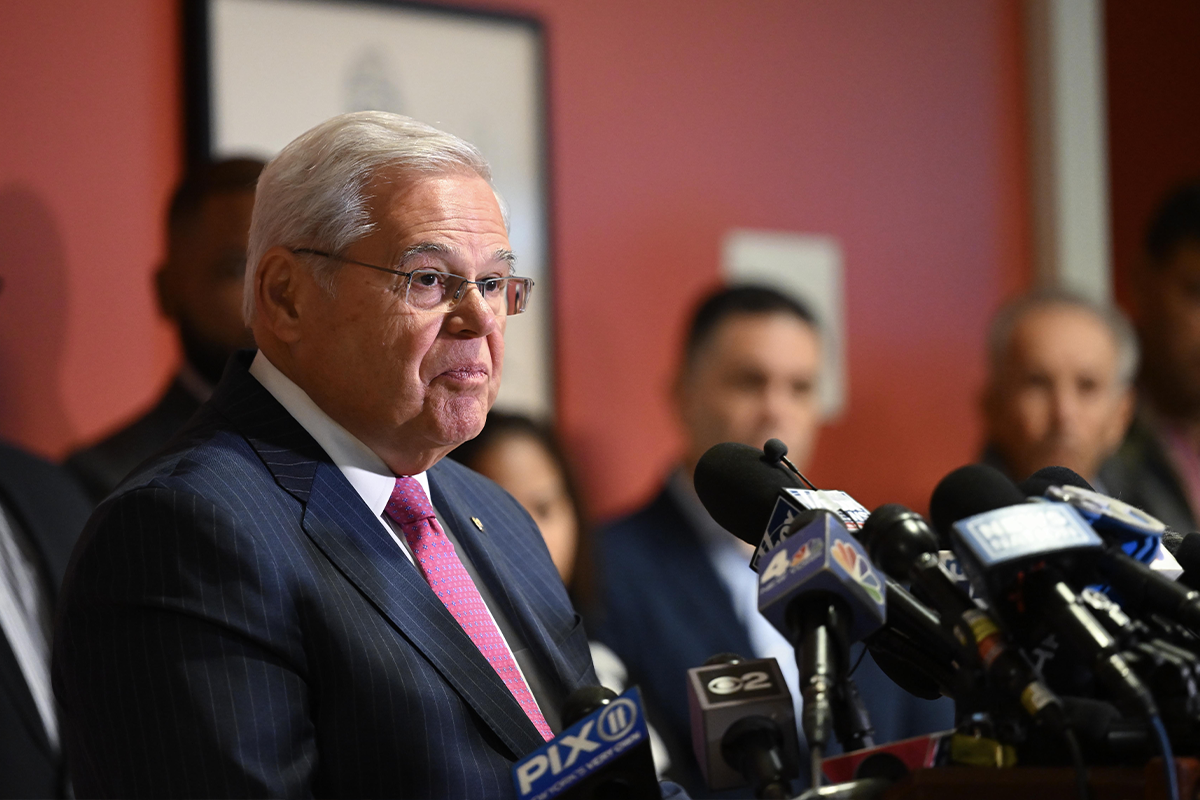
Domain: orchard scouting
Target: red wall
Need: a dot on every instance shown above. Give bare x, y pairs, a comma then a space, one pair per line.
1153, 115
88, 153
895, 126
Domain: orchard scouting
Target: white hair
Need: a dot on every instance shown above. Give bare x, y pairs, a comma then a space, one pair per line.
1004, 325
315, 192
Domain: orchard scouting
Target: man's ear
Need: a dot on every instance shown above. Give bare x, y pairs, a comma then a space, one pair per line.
277, 285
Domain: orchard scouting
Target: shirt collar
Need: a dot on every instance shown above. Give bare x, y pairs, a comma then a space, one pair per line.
365, 470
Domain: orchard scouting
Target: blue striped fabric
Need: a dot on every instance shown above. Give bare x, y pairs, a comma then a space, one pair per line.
236, 623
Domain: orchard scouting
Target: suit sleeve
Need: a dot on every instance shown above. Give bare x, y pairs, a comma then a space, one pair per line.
177, 657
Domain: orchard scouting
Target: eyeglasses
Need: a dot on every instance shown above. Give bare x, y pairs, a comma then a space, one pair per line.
431, 290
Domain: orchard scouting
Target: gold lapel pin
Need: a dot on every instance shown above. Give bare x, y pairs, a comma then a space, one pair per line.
478, 522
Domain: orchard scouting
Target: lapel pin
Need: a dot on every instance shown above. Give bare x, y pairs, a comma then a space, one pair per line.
478, 522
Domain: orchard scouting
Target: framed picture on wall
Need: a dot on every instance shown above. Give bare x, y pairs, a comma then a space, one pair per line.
258, 73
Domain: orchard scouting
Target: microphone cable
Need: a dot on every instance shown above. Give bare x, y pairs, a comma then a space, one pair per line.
1164, 746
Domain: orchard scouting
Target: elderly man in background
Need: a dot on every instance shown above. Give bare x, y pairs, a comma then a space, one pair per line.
1059, 388
300, 596
674, 586
199, 288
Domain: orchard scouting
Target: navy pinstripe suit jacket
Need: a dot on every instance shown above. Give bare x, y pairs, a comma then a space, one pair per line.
235, 622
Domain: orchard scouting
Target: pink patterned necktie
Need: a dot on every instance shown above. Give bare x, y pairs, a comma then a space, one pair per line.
411, 510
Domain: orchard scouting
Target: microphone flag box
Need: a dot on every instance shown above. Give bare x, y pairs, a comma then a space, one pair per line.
1138, 533
823, 556
919, 752
792, 502
992, 547
578, 761
721, 695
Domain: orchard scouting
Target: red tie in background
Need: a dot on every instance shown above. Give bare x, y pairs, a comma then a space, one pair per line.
411, 510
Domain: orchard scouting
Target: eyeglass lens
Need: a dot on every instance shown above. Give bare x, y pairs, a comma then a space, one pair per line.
432, 290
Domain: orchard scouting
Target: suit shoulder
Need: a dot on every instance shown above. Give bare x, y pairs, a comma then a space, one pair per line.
658, 518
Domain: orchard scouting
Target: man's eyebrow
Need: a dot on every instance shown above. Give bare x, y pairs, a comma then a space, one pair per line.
422, 248
435, 248
507, 256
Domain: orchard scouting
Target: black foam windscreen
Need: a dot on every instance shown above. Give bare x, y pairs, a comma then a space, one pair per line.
738, 486
1037, 483
584, 701
968, 491
1188, 554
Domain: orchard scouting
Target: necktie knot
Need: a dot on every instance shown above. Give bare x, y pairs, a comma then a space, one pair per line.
408, 503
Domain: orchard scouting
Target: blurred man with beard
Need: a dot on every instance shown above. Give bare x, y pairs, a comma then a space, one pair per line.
199, 288
1059, 389
1158, 465
673, 585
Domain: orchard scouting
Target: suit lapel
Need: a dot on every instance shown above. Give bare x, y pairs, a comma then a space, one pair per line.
343, 528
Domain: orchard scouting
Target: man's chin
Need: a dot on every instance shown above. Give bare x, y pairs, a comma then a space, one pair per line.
460, 420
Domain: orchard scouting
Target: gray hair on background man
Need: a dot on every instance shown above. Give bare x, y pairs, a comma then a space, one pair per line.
1007, 318
316, 192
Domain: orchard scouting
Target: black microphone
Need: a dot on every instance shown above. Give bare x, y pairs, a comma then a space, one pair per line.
743, 725
1020, 556
749, 495
819, 589
902, 544
1138, 586
1188, 556
602, 754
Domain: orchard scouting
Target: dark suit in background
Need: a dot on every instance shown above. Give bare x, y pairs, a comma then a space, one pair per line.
666, 610
50, 510
1141, 474
236, 622
100, 467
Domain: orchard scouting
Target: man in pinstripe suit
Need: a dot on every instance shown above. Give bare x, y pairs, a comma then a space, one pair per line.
247, 615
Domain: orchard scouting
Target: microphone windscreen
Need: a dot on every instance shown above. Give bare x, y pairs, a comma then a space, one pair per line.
738, 486
1037, 483
968, 491
908, 677
584, 701
1188, 554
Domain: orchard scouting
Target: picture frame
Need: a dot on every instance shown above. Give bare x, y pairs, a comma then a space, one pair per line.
258, 73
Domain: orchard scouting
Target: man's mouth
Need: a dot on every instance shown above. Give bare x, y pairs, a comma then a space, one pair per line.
467, 373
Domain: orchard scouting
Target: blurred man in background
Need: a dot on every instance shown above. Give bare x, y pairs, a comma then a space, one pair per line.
1158, 465
1059, 389
674, 586
42, 511
199, 288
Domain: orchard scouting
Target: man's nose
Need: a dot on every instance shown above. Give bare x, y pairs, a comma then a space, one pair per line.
472, 315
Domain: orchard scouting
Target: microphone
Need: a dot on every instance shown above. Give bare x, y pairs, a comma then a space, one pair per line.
902, 543
753, 497
1137, 584
1021, 554
743, 726
1138, 533
819, 590
603, 753
1188, 556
